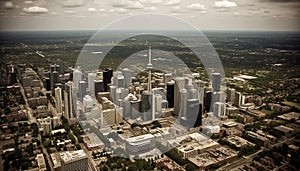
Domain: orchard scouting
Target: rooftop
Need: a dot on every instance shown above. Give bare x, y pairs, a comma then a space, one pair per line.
70, 156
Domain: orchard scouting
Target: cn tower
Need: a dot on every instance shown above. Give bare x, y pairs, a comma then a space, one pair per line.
149, 66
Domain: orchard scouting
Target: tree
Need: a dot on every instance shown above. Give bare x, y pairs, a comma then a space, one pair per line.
7, 111
190, 167
104, 168
47, 143
78, 147
24, 165
132, 168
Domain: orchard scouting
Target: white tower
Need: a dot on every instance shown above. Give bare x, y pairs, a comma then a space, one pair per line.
149, 66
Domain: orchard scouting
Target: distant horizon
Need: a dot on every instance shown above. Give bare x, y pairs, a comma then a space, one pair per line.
95, 30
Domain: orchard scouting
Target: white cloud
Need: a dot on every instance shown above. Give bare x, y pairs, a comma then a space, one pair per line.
70, 3
8, 5
134, 5
91, 9
151, 8
28, 2
196, 7
155, 1
102, 10
172, 2
36, 9
121, 10
151, 1
70, 12
120, 3
225, 4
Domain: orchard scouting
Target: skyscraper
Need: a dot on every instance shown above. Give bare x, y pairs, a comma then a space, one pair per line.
91, 78
207, 100
157, 104
82, 89
58, 100
54, 79
68, 101
147, 106
183, 102
107, 75
47, 83
231, 95
216, 82
219, 109
179, 84
127, 77
99, 86
77, 77
237, 99
194, 113
170, 93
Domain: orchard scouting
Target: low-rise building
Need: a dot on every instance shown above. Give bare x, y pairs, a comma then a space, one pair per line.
213, 157
255, 137
237, 142
284, 130
74, 160
93, 142
140, 144
193, 144
41, 162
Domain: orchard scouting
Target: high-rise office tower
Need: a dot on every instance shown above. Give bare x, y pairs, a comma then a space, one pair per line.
157, 104
99, 86
52, 68
113, 93
54, 79
127, 77
136, 109
77, 77
68, 101
107, 75
147, 103
207, 100
187, 83
183, 102
193, 93
217, 97
231, 95
219, 109
88, 103
120, 81
127, 108
170, 93
167, 78
82, 89
58, 100
91, 78
216, 82
194, 113
47, 83
179, 84
238, 99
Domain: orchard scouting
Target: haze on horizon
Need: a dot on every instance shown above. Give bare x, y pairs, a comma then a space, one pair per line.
261, 15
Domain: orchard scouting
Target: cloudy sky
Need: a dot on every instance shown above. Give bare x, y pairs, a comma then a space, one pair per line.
204, 14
